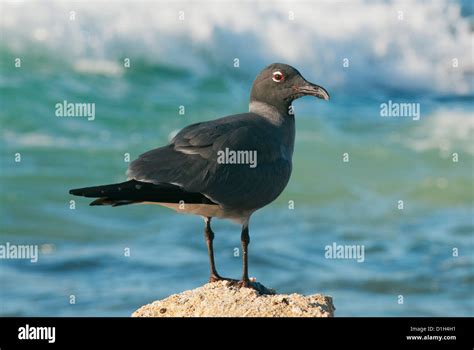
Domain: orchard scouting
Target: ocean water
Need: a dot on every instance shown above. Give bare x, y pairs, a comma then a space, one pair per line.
421, 55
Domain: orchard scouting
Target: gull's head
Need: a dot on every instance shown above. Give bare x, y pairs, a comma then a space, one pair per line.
279, 85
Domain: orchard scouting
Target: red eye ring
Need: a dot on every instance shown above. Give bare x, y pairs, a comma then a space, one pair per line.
277, 77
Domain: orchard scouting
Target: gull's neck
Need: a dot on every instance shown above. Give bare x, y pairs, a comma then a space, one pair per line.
273, 114
285, 125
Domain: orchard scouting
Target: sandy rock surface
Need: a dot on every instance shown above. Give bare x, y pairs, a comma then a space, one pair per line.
222, 299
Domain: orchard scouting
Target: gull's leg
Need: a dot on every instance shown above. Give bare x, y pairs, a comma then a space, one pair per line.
209, 236
245, 239
245, 282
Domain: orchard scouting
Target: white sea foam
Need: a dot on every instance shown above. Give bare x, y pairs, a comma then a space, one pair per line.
447, 131
103, 67
36, 139
415, 53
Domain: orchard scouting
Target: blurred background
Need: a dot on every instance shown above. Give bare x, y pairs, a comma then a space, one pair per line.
364, 53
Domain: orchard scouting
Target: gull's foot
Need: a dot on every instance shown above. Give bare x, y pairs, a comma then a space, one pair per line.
217, 278
245, 284
260, 288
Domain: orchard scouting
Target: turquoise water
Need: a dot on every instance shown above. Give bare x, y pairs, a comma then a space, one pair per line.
408, 252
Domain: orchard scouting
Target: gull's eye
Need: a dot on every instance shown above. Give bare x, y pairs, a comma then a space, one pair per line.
277, 77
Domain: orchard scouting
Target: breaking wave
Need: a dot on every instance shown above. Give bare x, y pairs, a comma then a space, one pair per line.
413, 46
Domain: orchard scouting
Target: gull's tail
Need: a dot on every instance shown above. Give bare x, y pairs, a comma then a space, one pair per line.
134, 191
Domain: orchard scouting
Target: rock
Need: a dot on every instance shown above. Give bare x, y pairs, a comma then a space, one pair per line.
224, 299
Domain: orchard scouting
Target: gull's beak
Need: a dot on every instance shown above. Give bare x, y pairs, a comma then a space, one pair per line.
313, 90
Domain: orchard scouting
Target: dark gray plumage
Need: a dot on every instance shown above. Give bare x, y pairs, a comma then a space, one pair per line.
233, 186
188, 167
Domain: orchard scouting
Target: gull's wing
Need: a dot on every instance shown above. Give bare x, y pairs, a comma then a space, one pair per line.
190, 161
